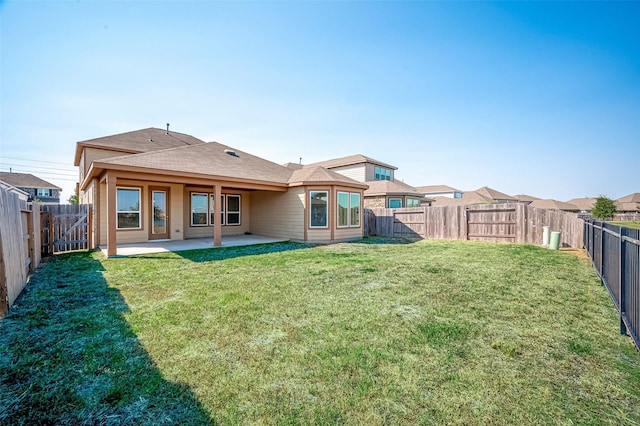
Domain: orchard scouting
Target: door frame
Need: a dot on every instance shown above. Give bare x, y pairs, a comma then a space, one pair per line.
167, 234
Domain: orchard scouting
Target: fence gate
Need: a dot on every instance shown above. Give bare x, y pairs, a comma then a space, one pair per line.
409, 224
65, 228
492, 223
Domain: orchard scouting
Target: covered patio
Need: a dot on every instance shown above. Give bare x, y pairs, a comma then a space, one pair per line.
163, 246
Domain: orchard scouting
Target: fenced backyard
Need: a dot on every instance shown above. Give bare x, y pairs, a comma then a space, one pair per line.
29, 231
518, 223
615, 253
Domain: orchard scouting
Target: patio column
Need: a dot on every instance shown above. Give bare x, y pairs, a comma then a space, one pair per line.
111, 215
217, 225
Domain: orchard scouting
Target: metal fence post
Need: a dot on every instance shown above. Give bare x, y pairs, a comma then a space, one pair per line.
623, 282
602, 233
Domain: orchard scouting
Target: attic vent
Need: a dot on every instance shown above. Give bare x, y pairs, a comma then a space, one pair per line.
231, 152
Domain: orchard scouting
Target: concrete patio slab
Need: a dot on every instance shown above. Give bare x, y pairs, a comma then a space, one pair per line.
163, 246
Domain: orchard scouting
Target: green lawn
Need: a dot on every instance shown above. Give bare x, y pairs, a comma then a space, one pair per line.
628, 223
427, 332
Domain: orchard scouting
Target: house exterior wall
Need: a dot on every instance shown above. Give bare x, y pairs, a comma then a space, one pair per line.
33, 195
354, 171
279, 214
332, 232
379, 201
90, 155
370, 172
452, 194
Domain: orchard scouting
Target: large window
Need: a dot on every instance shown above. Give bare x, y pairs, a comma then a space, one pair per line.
395, 203
128, 208
42, 192
413, 202
382, 173
318, 211
348, 209
202, 205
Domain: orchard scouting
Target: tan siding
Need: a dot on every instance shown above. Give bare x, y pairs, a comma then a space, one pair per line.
279, 215
348, 233
354, 171
176, 215
90, 155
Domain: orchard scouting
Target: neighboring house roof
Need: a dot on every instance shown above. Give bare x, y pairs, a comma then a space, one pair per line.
631, 198
492, 194
217, 161
525, 198
26, 180
387, 187
436, 189
349, 160
471, 197
320, 175
551, 204
138, 141
583, 203
19, 192
627, 207
293, 166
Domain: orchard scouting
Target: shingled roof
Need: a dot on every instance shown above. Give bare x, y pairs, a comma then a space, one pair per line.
387, 187
436, 189
138, 141
26, 180
349, 160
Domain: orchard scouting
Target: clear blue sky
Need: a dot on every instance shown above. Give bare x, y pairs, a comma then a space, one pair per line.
539, 98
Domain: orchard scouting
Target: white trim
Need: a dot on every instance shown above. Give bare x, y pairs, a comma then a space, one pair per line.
139, 211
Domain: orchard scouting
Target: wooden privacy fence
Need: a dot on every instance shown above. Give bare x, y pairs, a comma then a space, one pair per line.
19, 246
615, 253
517, 223
65, 227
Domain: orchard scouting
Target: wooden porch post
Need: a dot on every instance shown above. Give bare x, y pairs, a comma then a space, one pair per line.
217, 225
111, 215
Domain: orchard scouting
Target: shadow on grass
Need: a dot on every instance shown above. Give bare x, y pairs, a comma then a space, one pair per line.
68, 356
225, 253
388, 240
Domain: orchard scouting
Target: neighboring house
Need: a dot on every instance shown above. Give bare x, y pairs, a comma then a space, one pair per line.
384, 190
154, 184
524, 198
22, 195
484, 195
433, 191
36, 188
585, 204
551, 204
495, 196
629, 203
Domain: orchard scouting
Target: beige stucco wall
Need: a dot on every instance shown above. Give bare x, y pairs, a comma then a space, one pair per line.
278, 214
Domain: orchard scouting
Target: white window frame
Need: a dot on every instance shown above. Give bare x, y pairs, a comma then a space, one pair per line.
326, 211
349, 208
227, 211
223, 209
44, 192
139, 211
206, 195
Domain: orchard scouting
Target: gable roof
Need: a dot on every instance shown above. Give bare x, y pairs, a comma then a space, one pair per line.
8, 187
583, 203
349, 160
631, 198
551, 204
492, 194
318, 174
387, 187
525, 198
26, 180
436, 188
214, 160
137, 141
